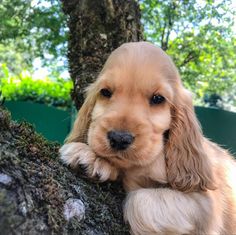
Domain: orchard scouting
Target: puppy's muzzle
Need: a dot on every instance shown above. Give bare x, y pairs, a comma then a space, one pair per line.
120, 140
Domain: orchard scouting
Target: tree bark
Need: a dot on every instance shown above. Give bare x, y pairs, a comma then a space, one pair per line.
38, 195
95, 29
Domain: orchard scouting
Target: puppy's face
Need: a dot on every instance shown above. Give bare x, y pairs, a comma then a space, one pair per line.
132, 109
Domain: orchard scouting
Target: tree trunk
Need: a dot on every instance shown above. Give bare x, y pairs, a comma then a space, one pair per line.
38, 195
97, 27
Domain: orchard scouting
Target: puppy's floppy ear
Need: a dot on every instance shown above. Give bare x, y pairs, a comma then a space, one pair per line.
82, 122
188, 166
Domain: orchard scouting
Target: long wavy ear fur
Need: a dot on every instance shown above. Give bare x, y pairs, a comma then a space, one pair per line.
82, 122
188, 166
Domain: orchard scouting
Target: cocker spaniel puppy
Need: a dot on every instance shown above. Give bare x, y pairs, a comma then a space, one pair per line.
138, 123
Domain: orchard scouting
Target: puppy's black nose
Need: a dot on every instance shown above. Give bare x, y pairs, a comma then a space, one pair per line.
120, 140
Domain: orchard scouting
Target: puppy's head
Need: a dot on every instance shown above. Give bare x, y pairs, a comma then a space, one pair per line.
138, 98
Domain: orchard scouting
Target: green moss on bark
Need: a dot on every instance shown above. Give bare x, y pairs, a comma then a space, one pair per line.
32, 202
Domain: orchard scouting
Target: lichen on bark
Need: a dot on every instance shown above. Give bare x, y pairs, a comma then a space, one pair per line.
35, 188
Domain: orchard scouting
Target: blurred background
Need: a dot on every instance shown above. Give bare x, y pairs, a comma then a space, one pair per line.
200, 36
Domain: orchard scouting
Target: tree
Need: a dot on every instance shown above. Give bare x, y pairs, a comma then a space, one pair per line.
38, 195
95, 29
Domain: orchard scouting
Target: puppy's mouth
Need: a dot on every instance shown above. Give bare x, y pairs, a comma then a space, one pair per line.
123, 158
111, 153
117, 147
122, 147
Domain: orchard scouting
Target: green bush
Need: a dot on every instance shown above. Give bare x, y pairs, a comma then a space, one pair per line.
24, 87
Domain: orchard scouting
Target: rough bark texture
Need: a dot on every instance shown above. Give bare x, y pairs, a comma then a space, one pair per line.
97, 27
38, 195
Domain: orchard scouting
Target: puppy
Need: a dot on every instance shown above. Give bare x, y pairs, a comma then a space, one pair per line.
138, 123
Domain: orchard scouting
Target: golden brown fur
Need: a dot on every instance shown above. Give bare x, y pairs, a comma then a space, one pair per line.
199, 196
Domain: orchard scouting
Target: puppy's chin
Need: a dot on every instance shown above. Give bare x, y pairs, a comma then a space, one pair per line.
133, 156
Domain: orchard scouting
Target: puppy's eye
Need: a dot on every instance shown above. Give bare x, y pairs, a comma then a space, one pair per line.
157, 99
106, 92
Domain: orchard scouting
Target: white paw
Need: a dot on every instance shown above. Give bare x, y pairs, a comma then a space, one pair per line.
76, 153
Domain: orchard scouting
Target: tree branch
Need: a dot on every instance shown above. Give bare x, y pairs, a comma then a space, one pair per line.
191, 56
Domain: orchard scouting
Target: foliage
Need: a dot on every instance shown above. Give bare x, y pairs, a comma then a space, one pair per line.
31, 29
23, 87
197, 34
199, 37
13, 58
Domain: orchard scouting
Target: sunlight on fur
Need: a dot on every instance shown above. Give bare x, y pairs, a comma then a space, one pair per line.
138, 123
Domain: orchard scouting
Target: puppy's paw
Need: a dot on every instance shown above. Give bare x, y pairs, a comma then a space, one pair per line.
103, 170
76, 153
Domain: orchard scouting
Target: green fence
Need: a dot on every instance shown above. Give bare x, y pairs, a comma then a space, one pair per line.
54, 124
219, 126
51, 122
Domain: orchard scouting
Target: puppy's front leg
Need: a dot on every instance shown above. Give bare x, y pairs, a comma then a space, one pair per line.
76, 153
161, 212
